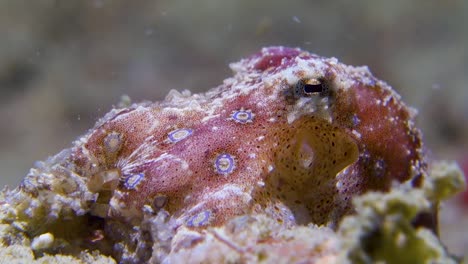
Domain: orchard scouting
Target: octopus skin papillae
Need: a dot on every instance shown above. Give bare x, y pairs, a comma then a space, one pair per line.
259, 141
291, 135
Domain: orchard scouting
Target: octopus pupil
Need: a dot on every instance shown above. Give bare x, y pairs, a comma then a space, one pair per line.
310, 87
313, 88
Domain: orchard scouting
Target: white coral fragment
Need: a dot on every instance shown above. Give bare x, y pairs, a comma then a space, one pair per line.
43, 241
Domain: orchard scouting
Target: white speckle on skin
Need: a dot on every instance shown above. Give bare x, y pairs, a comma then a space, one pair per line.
387, 99
291, 117
339, 184
270, 168
226, 191
184, 165
154, 125
208, 117
356, 134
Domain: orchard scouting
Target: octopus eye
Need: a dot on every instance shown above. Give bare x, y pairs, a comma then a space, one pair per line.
310, 87
313, 86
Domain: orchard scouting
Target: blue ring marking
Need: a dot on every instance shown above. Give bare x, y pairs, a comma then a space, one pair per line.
179, 134
224, 164
200, 219
133, 180
113, 142
242, 116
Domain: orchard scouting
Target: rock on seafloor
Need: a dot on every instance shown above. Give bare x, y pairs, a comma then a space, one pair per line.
297, 158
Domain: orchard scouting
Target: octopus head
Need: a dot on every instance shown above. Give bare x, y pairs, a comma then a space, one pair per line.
344, 132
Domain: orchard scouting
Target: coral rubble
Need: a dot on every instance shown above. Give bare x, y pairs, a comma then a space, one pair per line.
262, 168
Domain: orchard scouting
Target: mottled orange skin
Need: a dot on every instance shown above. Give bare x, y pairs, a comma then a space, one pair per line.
362, 113
393, 141
390, 147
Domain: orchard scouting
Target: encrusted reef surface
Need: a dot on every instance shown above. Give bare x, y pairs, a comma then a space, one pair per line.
295, 159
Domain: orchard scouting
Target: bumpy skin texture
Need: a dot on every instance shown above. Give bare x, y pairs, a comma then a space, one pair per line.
260, 141
291, 135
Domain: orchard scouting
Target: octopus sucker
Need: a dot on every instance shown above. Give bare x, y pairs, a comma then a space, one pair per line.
276, 154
